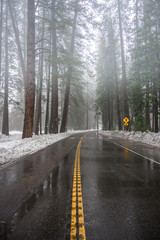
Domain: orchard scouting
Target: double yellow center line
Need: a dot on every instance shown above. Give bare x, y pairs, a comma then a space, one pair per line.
77, 218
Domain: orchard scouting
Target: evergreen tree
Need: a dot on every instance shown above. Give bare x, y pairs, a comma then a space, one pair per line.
30, 85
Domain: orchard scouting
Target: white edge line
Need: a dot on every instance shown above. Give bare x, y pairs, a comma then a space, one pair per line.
134, 152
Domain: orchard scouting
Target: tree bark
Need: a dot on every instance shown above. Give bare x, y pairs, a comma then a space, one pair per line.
69, 75
124, 77
5, 124
25, 35
1, 21
153, 116
158, 77
159, 105
54, 100
105, 119
30, 86
87, 112
47, 104
116, 80
109, 117
38, 117
147, 109
156, 111
111, 110
66, 104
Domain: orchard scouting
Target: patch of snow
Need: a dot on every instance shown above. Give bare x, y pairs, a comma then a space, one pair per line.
144, 137
80, 131
15, 132
13, 146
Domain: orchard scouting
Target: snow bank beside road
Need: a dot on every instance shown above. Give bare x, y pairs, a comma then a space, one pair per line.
145, 137
13, 147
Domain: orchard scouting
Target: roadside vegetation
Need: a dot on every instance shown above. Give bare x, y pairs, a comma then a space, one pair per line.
73, 64
128, 69
44, 66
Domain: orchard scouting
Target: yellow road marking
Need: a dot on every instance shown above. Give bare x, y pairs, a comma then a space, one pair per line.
77, 198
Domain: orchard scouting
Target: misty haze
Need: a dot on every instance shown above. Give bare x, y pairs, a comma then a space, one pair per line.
79, 119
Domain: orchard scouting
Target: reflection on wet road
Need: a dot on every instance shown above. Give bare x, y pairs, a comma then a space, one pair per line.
120, 190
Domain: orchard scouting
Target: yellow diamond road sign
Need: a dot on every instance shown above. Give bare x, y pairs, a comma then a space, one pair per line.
125, 120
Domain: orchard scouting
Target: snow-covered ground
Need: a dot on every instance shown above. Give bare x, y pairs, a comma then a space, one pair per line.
145, 137
13, 146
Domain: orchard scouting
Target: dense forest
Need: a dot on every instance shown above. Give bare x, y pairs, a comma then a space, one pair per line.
79, 64
128, 69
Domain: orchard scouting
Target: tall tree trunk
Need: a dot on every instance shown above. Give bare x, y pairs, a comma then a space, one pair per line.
47, 104
25, 34
105, 119
124, 77
116, 79
159, 105
156, 111
1, 20
5, 124
111, 110
158, 76
48, 90
147, 109
159, 93
16, 32
117, 94
37, 89
87, 108
30, 86
39, 96
97, 122
153, 108
69, 75
54, 100
138, 105
147, 104
66, 104
153, 116
109, 117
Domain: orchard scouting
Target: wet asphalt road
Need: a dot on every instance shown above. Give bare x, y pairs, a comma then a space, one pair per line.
121, 192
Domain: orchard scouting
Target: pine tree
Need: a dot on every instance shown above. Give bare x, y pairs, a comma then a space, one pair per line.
30, 85
1, 24
54, 99
5, 125
69, 74
124, 76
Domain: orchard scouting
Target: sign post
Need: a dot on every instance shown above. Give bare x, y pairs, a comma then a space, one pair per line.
125, 120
